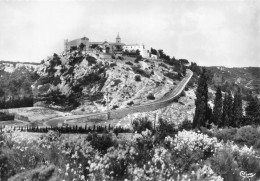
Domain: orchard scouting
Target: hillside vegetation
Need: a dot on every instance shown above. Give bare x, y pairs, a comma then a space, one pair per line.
247, 78
87, 82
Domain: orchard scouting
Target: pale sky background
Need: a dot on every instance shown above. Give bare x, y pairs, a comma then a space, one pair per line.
208, 32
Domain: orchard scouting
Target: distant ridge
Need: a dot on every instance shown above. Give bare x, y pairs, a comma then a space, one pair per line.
5, 61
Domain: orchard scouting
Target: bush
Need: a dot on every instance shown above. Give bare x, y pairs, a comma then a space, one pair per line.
138, 58
164, 129
247, 135
249, 164
137, 70
45, 173
91, 60
120, 58
186, 124
150, 96
137, 78
6, 116
112, 64
141, 124
130, 103
223, 164
113, 57
226, 134
163, 65
101, 143
129, 63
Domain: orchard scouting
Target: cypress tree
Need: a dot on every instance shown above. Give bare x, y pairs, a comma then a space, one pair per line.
253, 108
228, 117
217, 110
201, 101
237, 111
224, 117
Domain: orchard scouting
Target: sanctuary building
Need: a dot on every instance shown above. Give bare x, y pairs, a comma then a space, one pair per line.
116, 47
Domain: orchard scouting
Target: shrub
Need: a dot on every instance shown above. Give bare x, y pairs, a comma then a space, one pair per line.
224, 164
150, 96
130, 103
137, 78
249, 164
138, 58
225, 134
113, 57
247, 135
45, 173
91, 60
129, 63
163, 129
101, 143
137, 70
185, 125
120, 58
115, 107
163, 65
172, 76
6, 116
112, 64
141, 124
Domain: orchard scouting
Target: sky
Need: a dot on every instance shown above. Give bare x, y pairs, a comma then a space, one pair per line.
208, 32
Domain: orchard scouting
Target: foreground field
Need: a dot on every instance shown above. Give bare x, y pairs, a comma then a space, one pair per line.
164, 153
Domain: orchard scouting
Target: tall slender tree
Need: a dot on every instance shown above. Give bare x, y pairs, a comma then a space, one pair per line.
229, 109
253, 109
237, 110
224, 117
201, 101
217, 110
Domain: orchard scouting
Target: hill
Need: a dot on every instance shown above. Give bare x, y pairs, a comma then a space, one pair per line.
247, 78
88, 82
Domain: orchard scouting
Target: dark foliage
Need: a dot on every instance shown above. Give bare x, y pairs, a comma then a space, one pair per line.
91, 60
5, 116
137, 70
138, 78
101, 142
150, 96
141, 124
201, 101
164, 129
217, 110
129, 63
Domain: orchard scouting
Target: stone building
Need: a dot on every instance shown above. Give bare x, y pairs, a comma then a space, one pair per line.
134, 47
116, 47
75, 44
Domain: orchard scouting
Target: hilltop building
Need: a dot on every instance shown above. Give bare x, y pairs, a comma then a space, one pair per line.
116, 47
76, 43
134, 47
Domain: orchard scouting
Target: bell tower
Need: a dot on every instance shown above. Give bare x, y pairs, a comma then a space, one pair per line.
118, 39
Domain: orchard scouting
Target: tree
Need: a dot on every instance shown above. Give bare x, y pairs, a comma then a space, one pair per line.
237, 111
201, 101
2, 93
137, 52
217, 110
107, 49
81, 46
253, 109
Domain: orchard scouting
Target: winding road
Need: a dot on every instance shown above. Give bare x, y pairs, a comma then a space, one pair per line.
120, 113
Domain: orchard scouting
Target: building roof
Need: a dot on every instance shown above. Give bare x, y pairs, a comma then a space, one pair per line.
133, 45
75, 42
